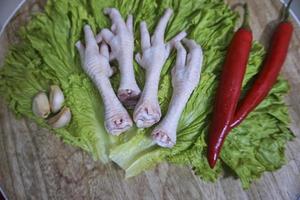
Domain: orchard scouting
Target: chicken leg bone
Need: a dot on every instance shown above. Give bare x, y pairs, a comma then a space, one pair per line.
95, 63
185, 77
154, 54
120, 40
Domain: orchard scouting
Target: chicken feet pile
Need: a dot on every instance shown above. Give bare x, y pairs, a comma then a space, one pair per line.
117, 43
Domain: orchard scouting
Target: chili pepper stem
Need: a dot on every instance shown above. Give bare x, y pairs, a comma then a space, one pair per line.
246, 24
286, 11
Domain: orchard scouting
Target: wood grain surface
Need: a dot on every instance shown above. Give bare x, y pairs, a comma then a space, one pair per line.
35, 164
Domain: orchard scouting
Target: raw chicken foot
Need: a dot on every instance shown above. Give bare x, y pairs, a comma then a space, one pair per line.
120, 40
95, 63
185, 77
154, 54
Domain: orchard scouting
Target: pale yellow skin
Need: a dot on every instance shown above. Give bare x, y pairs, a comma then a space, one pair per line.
95, 63
121, 42
185, 77
153, 57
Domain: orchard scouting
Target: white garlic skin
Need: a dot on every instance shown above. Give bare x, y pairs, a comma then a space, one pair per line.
56, 98
61, 119
40, 105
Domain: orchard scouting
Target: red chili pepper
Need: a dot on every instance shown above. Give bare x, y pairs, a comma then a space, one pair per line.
229, 88
270, 71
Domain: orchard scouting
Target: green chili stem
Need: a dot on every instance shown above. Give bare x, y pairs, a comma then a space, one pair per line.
246, 23
286, 11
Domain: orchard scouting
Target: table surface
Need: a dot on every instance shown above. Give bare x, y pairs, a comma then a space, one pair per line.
35, 164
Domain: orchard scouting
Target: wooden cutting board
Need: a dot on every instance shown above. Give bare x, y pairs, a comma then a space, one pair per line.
35, 164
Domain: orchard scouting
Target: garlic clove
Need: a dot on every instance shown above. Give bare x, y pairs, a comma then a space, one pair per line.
40, 105
56, 98
61, 119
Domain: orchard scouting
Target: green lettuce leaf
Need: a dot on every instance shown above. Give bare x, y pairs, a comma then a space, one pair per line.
46, 55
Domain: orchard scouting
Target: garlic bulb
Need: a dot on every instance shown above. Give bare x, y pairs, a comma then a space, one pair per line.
40, 105
61, 119
56, 98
